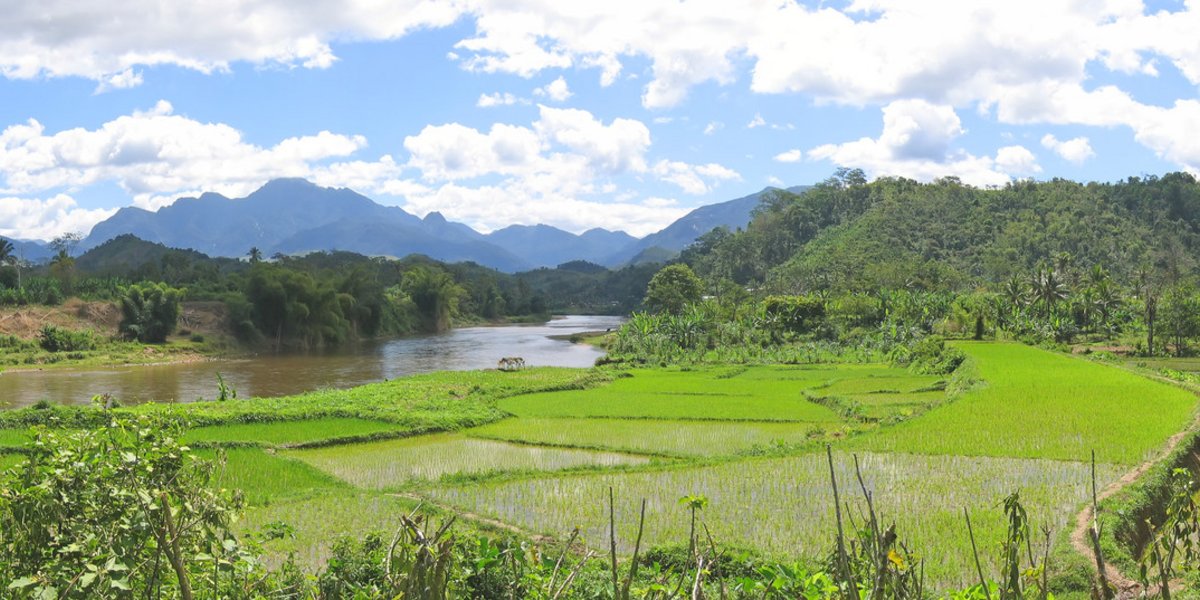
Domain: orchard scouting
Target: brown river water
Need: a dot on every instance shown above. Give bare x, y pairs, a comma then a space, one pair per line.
284, 374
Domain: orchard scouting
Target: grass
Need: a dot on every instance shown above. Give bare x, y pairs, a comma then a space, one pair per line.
784, 506
8, 461
286, 432
321, 520
394, 463
268, 478
11, 438
1037, 404
671, 438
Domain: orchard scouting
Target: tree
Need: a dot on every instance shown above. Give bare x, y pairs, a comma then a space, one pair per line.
7, 257
62, 266
672, 289
149, 312
255, 255
435, 294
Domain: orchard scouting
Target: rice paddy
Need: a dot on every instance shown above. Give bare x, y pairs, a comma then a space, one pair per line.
538, 450
8, 461
10, 438
288, 432
784, 507
394, 463
660, 437
1038, 404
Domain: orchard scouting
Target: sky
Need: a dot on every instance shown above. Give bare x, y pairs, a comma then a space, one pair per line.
621, 114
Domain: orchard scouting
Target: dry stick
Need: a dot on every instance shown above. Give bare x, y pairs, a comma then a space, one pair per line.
612, 537
881, 563
173, 554
561, 556
837, 511
574, 573
718, 557
1105, 591
1045, 591
637, 546
975, 551
696, 594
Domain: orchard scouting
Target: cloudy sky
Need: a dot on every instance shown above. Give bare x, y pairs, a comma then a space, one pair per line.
618, 113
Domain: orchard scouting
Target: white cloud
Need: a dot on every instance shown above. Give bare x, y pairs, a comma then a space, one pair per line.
790, 156
916, 142
45, 219
693, 179
556, 90
1076, 150
155, 155
1017, 160
713, 127
757, 121
499, 99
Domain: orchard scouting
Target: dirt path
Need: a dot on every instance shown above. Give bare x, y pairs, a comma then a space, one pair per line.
477, 518
1080, 537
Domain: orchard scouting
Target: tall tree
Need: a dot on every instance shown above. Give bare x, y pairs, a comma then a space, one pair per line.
672, 289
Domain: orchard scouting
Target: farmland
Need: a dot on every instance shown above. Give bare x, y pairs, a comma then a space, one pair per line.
538, 451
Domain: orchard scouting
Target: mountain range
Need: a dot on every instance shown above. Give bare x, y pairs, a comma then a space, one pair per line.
294, 216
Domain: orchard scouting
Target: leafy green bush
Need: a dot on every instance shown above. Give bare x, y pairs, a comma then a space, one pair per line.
149, 312
57, 339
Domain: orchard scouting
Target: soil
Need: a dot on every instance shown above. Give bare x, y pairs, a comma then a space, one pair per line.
26, 321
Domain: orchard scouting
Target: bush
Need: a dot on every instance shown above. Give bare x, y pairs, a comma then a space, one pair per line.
149, 312
57, 339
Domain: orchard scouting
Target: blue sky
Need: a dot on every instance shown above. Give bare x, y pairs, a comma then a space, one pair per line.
622, 114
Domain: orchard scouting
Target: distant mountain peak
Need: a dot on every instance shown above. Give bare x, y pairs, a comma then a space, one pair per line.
435, 217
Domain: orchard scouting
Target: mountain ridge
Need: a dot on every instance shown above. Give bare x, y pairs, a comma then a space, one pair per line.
295, 216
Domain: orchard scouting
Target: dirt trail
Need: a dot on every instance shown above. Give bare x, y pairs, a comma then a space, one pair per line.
1080, 537
477, 518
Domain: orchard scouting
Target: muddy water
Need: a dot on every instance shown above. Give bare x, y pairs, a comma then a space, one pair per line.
279, 375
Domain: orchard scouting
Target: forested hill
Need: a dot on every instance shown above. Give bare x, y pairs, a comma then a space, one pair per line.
847, 234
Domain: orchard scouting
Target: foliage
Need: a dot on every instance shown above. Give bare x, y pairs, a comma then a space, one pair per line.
672, 289
117, 512
149, 312
57, 339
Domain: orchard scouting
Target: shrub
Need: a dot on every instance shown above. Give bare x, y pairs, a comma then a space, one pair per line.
149, 312
57, 339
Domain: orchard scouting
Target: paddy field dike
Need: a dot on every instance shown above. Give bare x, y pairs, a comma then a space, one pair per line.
536, 451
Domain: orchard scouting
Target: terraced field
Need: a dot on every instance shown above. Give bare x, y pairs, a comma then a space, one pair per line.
750, 439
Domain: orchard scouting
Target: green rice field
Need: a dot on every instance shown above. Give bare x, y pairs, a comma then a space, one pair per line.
10, 460
785, 506
538, 450
391, 464
1038, 404
659, 437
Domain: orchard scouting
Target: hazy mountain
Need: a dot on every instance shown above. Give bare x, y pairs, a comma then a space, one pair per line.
374, 238
546, 246
126, 252
29, 250
676, 236
294, 216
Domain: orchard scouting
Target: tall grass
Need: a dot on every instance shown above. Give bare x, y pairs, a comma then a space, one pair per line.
394, 463
1037, 404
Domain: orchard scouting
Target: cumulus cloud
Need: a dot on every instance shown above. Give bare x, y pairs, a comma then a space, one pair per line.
45, 219
556, 90
499, 99
156, 153
693, 179
1076, 150
757, 121
556, 170
790, 156
713, 127
917, 142
1018, 58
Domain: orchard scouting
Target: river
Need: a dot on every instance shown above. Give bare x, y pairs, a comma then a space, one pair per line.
284, 374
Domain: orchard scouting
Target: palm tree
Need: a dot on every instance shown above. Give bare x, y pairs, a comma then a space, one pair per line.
7, 257
255, 255
1048, 289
